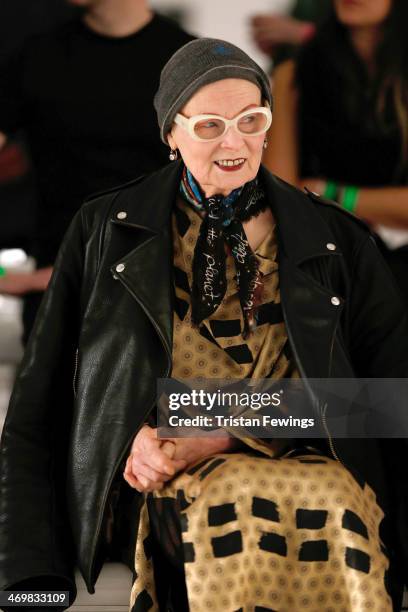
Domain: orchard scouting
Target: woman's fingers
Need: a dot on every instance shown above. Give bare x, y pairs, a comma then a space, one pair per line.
130, 478
151, 462
144, 470
139, 482
149, 448
168, 448
134, 483
159, 461
143, 477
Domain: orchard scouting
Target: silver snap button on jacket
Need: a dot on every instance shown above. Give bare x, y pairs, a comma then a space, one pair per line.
331, 246
120, 267
335, 301
122, 214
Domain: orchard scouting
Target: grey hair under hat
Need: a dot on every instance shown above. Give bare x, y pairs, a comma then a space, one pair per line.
200, 62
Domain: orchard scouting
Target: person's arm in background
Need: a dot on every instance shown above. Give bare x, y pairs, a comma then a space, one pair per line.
20, 283
271, 32
380, 205
387, 206
282, 153
280, 35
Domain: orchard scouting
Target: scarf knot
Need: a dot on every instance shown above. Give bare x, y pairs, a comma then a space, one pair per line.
222, 225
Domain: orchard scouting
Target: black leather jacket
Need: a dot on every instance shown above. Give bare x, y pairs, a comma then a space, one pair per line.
104, 335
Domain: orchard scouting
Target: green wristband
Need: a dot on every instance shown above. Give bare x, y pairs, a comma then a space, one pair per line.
350, 197
3, 271
330, 191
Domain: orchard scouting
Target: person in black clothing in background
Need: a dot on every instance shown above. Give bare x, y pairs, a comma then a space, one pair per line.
340, 123
20, 20
84, 95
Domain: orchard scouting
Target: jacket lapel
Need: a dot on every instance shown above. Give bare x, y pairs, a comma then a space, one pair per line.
312, 309
147, 270
148, 277
311, 321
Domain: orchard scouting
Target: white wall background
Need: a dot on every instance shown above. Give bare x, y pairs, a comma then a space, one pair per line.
226, 19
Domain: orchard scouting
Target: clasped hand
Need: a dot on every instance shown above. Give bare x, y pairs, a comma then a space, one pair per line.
153, 461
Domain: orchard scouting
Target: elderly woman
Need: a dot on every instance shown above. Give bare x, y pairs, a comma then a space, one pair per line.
209, 268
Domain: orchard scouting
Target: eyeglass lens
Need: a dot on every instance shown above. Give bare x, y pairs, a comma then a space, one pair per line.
250, 123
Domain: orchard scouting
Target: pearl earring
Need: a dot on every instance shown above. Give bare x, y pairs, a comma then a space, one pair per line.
173, 154
265, 144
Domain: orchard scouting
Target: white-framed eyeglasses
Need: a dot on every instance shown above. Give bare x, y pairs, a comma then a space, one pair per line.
206, 128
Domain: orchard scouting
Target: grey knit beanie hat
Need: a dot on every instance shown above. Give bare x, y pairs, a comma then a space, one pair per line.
200, 62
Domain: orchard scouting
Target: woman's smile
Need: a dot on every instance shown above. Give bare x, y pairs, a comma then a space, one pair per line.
230, 165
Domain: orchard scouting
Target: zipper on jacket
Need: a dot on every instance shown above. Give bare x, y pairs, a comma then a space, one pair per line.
105, 501
166, 373
74, 378
330, 439
322, 412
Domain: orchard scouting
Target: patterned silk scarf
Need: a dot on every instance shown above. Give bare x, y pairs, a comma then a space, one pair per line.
222, 224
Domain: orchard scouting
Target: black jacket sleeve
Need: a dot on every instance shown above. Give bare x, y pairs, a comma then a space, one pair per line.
36, 548
379, 344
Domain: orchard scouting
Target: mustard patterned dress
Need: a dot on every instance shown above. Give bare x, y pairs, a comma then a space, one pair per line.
268, 528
